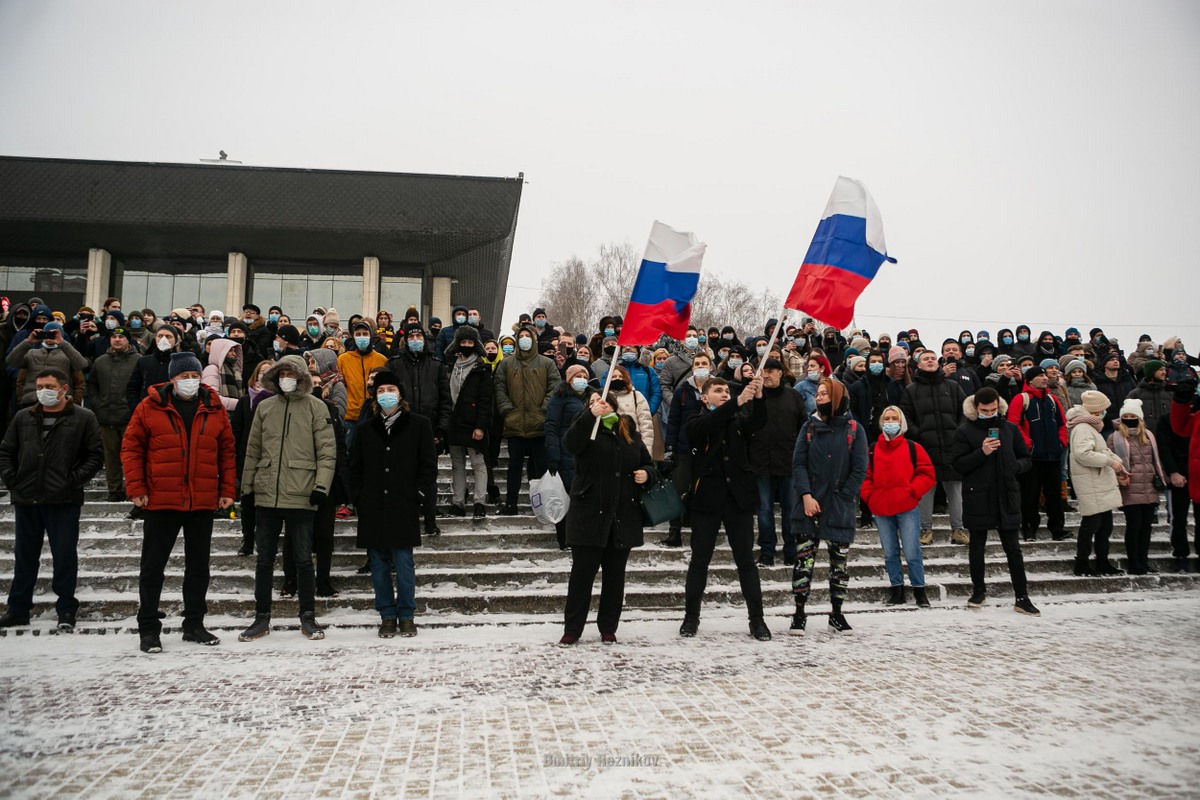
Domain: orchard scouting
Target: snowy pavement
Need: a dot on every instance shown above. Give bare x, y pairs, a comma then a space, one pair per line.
1094, 699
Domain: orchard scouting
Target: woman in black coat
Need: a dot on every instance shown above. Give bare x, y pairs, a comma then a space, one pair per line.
391, 456
605, 518
472, 394
565, 405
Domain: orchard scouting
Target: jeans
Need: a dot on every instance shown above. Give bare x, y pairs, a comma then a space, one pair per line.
1012, 551
902, 531
160, 529
1178, 504
34, 524
458, 475
585, 563
739, 529
953, 498
114, 477
399, 601
518, 449
1045, 479
1098, 527
300, 530
1139, 520
770, 488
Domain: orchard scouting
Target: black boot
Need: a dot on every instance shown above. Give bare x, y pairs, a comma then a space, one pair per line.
674, 537
920, 596
431, 526
1083, 569
897, 598
759, 629
247, 548
691, 620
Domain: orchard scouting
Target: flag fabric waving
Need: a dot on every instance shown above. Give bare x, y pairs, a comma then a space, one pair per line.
666, 283
846, 252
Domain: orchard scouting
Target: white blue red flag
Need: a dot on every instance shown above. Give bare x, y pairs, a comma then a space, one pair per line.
666, 283
846, 252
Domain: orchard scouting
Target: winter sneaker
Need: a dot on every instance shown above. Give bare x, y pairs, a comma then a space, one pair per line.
674, 539
66, 622
766, 560
151, 643
387, 629
343, 512
309, 628
458, 510
926, 536
959, 536
690, 625
567, 640
258, 629
838, 623
247, 548
1028, 534
977, 600
11, 620
1061, 536
799, 624
200, 635
897, 596
920, 596
1023, 606
480, 511
408, 627
608, 638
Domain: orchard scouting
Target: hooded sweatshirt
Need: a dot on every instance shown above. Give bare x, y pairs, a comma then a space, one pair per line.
226, 381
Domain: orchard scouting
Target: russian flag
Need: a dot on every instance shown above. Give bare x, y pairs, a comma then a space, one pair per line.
846, 252
666, 283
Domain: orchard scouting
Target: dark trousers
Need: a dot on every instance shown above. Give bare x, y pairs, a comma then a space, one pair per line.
681, 478
249, 518
160, 529
1012, 550
114, 477
322, 545
739, 529
1044, 479
585, 563
1179, 504
300, 529
1138, 522
1097, 528
34, 524
518, 450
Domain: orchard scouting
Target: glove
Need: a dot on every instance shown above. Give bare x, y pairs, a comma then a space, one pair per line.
247, 497
552, 467
317, 498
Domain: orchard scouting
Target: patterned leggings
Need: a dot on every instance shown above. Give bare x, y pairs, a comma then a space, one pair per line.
806, 556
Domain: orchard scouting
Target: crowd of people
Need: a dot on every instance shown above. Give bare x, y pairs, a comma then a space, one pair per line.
293, 426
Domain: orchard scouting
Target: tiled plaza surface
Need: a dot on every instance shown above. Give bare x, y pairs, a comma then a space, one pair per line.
1095, 699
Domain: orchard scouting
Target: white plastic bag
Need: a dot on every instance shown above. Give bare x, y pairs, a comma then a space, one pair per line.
549, 498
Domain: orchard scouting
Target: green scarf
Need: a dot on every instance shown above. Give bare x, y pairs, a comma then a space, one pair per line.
609, 420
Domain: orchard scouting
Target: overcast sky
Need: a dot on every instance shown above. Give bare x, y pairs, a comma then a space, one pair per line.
1033, 162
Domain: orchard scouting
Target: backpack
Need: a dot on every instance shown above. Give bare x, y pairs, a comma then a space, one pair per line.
850, 433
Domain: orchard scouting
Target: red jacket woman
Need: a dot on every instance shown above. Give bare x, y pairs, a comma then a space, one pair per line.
894, 483
1185, 421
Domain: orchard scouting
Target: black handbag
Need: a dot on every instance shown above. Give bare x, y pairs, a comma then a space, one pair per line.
661, 501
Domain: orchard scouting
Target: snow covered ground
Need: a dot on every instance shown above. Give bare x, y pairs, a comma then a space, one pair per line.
1095, 699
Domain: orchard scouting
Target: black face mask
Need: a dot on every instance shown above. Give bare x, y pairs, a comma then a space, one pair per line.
618, 385
825, 409
466, 350
608, 351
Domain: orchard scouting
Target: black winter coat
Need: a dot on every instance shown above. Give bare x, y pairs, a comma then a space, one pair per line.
933, 406
1116, 390
53, 470
604, 498
426, 387
829, 463
868, 399
991, 491
565, 405
473, 409
151, 370
721, 471
387, 467
772, 447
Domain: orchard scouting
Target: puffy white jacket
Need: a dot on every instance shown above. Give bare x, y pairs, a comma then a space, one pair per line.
1091, 463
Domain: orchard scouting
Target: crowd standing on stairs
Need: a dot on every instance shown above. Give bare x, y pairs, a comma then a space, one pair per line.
195, 415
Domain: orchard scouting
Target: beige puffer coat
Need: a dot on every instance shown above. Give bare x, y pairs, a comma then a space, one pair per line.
1091, 464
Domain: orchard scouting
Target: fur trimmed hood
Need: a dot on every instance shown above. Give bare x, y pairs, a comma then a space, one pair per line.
296, 364
971, 412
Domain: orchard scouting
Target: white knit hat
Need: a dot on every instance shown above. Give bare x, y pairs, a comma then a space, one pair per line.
1133, 406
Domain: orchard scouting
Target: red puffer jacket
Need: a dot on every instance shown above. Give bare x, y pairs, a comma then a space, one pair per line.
893, 486
1186, 422
177, 474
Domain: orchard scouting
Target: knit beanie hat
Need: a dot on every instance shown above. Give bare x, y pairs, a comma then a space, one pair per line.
1001, 361
289, 334
332, 318
183, 362
1150, 367
1047, 363
1032, 373
1133, 406
860, 344
1111, 355
897, 353
855, 361
1095, 403
1073, 365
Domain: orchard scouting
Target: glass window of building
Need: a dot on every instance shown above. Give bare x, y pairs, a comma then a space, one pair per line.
399, 288
60, 282
163, 284
298, 288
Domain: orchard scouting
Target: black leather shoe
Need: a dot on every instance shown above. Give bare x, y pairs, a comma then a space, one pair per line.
759, 630
10, 620
151, 643
689, 627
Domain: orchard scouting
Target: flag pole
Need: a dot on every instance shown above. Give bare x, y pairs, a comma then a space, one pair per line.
612, 367
774, 336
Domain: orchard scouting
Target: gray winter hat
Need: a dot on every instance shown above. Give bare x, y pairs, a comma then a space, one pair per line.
183, 362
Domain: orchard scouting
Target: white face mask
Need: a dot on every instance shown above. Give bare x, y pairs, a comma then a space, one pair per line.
287, 385
163, 343
525, 343
47, 397
187, 387
110, 323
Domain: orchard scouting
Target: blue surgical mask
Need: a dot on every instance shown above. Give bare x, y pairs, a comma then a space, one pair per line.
1024, 337
970, 352
610, 332
814, 376
135, 323
278, 347
473, 319
762, 351
700, 374
988, 416
525, 343
416, 345
272, 318
459, 319
734, 363
629, 358
579, 384
702, 339
362, 342
800, 341
387, 400
541, 323
711, 407
876, 369
1005, 340
507, 349
892, 429
691, 342
965, 339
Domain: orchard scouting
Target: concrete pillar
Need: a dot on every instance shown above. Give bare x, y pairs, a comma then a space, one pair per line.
370, 290
440, 300
99, 274
235, 290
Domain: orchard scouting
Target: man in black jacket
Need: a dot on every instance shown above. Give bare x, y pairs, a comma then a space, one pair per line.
725, 492
685, 406
49, 453
106, 387
1173, 450
771, 459
151, 369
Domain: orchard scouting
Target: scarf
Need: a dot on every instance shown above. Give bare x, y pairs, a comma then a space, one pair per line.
390, 419
231, 384
462, 368
1085, 419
